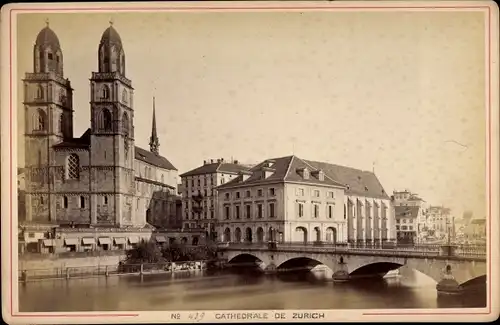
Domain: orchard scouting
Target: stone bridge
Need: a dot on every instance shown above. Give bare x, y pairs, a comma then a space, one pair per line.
452, 273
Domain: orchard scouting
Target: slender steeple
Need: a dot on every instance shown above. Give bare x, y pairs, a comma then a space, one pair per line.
154, 142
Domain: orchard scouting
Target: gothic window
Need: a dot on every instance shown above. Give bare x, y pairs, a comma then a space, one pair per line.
106, 120
62, 96
73, 167
50, 56
65, 202
122, 63
105, 92
41, 122
39, 92
61, 123
124, 96
114, 59
105, 200
125, 124
82, 202
39, 158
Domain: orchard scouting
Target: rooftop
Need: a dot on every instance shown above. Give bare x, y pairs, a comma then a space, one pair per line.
406, 211
291, 169
219, 166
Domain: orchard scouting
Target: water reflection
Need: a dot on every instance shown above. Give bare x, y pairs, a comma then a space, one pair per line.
238, 289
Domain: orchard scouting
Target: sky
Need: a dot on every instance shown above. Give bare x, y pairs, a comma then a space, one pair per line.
401, 93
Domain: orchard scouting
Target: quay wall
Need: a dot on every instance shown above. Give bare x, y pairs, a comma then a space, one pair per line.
47, 263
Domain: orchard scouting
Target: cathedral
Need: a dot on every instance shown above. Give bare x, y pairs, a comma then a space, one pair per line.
100, 181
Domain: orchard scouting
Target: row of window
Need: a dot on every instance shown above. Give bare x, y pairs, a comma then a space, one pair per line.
248, 193
40, 94
404, 227
106, 93
316, 211
404, 221
40, 121
205, 214
237, 213
314, 193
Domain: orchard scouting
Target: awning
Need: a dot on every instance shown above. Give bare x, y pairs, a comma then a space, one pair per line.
71, 241
160, 239
48, 243
133, 240
88, 241
120, 241
104, 241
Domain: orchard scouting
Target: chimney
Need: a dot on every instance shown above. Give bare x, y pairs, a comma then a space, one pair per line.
204, 162
211, 161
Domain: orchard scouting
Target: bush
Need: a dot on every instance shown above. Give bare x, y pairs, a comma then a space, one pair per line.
145, 252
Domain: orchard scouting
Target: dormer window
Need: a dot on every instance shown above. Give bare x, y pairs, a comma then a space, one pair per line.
303, 172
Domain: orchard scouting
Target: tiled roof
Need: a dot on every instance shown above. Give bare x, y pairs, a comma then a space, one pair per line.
153, 159
81, 142
406, 211
359, 182
286, 169
221, 167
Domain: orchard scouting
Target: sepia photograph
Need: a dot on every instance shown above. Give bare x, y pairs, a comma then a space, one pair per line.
249, 161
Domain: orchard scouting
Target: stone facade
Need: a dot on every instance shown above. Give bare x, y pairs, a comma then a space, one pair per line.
100, 179
290, 199
199, 197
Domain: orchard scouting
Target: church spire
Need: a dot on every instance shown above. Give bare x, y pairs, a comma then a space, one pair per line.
154, 142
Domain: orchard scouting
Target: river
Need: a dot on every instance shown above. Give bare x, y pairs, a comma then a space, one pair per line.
242, 290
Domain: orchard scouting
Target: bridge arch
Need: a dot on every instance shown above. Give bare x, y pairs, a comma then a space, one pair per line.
302, 262
376, 268
244, 258
479, 280
301, 234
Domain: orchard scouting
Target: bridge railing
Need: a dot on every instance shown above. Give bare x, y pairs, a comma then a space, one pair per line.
388, 248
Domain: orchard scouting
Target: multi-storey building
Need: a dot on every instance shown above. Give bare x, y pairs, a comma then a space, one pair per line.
441, 223
291, 199
199, 197
411, 216
101, 179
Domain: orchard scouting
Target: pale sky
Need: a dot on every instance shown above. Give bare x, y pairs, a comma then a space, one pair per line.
354, 89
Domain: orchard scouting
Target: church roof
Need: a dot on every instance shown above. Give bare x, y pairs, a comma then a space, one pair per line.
110, 35
153, 159
286, 169
218, 167
47, 37
81, 142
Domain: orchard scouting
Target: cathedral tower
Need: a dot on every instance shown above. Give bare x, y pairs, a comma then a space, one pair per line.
48, 120
112, 135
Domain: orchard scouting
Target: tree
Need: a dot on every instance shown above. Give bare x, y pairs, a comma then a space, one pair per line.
145, 252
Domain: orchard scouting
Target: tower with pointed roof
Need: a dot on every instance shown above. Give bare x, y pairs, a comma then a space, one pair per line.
112, 133
48, 120
154, 142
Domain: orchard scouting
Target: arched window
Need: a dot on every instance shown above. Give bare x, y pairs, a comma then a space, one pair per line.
39, 92
62, 96
106, 120
41, 121
61, 123
105, 92
122, 63
125, 124
125, 96
73, 167
82, 202
65, 202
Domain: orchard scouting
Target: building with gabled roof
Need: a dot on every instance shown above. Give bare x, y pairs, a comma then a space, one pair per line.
292, 199
100, 179
199, 198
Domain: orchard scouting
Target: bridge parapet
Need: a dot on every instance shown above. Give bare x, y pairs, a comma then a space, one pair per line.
465, 252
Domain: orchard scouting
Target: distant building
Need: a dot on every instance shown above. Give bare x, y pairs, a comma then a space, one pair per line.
478, 228
441, 222
411, 216
199, 197
291, 199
